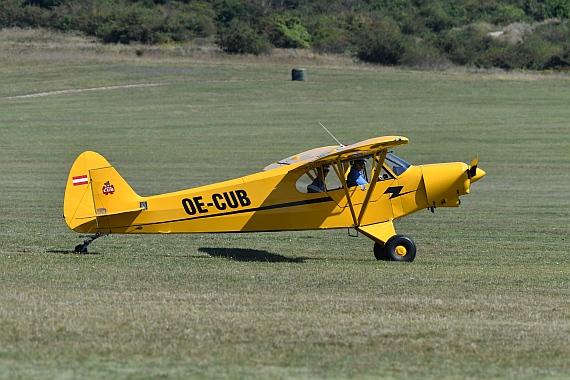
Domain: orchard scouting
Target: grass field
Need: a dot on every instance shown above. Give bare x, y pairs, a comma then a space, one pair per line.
487, 296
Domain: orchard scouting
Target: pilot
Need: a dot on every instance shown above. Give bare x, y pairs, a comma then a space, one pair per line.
318, 184
355, 177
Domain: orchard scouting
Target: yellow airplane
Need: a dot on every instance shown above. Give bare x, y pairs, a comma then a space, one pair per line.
367, 188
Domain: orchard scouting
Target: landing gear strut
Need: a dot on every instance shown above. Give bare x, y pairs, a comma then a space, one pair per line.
397, 248
82, 248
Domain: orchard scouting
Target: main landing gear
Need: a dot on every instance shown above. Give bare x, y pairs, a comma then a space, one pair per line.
82, 248
397, 248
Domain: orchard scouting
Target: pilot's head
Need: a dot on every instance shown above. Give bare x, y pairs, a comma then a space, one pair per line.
322, 172
358, 164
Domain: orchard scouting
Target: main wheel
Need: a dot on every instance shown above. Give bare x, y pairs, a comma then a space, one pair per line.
380, 252
80, 248
400, 248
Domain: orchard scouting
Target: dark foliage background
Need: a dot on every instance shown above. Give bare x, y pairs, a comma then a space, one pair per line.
521, 34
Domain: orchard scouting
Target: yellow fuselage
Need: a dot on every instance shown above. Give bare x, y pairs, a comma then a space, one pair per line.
265, 201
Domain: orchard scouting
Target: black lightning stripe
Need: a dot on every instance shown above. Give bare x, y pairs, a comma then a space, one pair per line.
396, 191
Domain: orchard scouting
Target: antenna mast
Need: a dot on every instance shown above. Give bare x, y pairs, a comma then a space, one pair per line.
338, 142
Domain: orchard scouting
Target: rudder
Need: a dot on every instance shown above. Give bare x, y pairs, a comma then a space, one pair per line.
94, 190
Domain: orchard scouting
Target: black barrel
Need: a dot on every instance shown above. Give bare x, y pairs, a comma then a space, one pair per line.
299, 74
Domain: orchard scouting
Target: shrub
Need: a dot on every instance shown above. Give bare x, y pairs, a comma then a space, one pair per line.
34, 17
534, 53
240, 38
334, 35
537, 51
554, 32
174, 21
286, 31
136, 24
424, 56
547, 9
44, 3
560, 61
507, 14
507, 57
381, 42
228, 10
464, 46
10, 13
332, 40
436, 18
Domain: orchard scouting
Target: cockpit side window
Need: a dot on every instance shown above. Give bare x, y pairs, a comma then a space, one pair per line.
324, 178
314, 180
305, 180
396, 164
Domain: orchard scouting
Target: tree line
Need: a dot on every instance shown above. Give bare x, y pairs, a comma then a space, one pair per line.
510, 34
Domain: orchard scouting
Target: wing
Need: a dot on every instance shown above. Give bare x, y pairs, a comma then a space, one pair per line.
330, 154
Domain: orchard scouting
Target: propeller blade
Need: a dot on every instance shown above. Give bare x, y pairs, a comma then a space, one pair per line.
474, 173
473, 167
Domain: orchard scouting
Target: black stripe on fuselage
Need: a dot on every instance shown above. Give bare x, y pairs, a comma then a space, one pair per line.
256, 209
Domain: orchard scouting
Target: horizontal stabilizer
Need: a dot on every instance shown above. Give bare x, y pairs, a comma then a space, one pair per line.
103, 211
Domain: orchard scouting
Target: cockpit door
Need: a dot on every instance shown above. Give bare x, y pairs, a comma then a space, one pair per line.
361, 199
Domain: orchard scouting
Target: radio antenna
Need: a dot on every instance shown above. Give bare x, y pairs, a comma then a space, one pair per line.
335, 139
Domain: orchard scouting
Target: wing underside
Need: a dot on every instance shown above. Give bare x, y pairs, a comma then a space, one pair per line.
331, 154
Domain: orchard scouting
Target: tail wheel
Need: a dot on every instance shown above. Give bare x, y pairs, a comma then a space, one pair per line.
400, 248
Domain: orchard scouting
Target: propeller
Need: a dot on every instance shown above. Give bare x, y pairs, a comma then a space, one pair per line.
474, 173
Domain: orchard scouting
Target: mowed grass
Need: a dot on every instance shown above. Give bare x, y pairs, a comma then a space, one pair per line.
487, 296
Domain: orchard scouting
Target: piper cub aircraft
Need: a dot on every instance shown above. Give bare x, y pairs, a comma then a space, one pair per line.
361, 186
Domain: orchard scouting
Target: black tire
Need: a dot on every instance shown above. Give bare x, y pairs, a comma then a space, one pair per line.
400, 248
80, 248
380, 252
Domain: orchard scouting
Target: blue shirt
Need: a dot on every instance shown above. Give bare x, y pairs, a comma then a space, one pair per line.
355, 178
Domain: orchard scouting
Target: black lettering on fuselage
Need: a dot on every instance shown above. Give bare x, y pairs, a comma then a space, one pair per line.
200, 205
243, 199
218, 202
188, 206
191, 206
232, 199
233, 202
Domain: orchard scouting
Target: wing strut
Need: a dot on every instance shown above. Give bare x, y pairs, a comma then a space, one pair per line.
374, 174
340, 173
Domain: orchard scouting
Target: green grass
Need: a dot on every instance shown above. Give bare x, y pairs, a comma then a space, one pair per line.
488, 294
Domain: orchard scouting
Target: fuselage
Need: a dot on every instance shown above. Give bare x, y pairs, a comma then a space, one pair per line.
270, 201
307, 191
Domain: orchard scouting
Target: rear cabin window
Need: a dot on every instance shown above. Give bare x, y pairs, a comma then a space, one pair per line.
310, 183
305, 180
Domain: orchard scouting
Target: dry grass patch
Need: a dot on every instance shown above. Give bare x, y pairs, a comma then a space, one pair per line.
51, 46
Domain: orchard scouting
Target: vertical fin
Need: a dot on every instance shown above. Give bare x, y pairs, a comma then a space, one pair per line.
112, 195
93, 184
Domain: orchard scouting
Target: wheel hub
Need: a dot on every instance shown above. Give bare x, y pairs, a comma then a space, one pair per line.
401, 251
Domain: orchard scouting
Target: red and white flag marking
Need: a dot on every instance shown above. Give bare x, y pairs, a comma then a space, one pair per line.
80, 180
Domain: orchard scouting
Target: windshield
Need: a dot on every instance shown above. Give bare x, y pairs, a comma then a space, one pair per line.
396, 164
